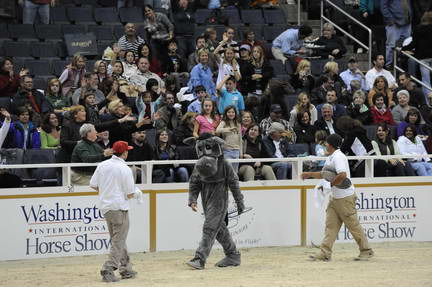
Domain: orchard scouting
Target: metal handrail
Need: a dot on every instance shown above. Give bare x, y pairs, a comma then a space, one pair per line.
298, 12
369, 49
397, 68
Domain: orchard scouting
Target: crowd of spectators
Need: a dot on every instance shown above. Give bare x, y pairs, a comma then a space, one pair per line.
161, 93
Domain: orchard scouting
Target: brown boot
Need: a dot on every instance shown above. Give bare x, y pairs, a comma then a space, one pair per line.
365, 255
320, 257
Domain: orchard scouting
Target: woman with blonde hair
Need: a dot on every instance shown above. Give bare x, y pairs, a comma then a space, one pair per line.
100, 67
303, 104
332, 45
72, 76
380, 85
302, 80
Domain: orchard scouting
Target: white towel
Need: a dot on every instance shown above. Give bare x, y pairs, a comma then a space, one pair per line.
138, 195
321, 191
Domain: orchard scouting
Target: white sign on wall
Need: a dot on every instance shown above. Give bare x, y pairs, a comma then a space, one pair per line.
385, 213
271, 218
64, 226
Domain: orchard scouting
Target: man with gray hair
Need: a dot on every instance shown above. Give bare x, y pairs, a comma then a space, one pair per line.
326, 122
88, 151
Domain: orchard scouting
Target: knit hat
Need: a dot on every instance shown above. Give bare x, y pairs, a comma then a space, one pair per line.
334, 140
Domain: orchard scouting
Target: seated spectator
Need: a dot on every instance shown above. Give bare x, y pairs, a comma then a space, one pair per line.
101, 69
208, 120
103, 140
249, 39
28, 96
201, 75
193, 59
142, 149
210, 35
253, 148
385, 145
331, 70
380, 112
50, 132
169, 116
143, 74
276, 116
302, 80
303, 129
130, 41
411, 144
5, 125
54, 97
400, 111
380, 86
358, 110
320, 146
247, 120
228, 43
378, 70
185, 129
92, 109
353, 73
90, 84
9, 81
277, 146
229, 129
165, 151
117, 72
332, 45
303, 104
145, 106
245, 55
158, 28
144, 51
200, 94
319, 94
72, 76
417, 99
24, 133
331, 98
347, 97
175, 65
326, 121
128, 64
229, 95
228, 66
290, 43
412, 117
87, 151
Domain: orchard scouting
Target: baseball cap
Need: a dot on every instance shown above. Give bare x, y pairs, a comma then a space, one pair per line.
275, 108
334, 140
352, 60
245, 47
121, 147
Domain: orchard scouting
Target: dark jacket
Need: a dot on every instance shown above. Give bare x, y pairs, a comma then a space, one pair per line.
184, 21
338, 111
21, 98
270, 148
305, 133
351, 135
89, 152
303, 86
328, 46
320, 124
421, 42
8, 87
354, 112
140, 153
123, 131
180, 133
249, 147
247, 85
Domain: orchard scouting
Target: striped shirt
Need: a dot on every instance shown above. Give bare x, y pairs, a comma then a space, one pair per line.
125, 45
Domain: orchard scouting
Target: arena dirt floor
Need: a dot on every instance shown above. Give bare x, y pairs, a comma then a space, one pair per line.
395, 264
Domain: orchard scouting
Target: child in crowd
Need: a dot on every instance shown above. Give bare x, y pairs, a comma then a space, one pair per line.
320, 148
229, 130
229, 95
145, 106
208, 120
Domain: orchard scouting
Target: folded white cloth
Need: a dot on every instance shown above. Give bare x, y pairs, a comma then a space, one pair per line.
321, 191
138, 195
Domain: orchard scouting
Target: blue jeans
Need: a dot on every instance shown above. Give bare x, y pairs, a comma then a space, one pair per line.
422, 168
425, 73
179, 174
30, 11
282, 170
232, 154
393, 34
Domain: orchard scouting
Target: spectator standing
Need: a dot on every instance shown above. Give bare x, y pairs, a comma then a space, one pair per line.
33, 8
228, 66
50, 132
72, 76
101, 69
255, 74
9, 81
208, 120
145, 106
228, 42
130, 41
290, 42
247, 121
229, 95
184, 27
159, 29
200, 94
397, 17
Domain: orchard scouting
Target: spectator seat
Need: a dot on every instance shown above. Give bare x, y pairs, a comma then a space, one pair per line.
49, 32
106, 15
17, 49
44, 50
132, 15
274, 16
81, 15
252, 16
22, 32
102, 33
58, 15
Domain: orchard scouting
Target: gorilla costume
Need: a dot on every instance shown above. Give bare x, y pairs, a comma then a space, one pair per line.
212, 177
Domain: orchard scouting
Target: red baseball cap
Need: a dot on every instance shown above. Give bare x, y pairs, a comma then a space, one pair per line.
121, 147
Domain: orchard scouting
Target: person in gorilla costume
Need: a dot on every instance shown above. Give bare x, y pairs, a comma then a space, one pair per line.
212, 177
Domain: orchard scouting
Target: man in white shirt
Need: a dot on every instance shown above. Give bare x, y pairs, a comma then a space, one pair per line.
143, 74
115, 183
378, 70
341, 207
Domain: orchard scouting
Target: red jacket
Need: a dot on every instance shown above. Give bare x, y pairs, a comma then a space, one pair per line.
382, 118
8, 87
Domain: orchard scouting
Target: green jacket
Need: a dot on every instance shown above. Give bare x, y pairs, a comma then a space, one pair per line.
87, 151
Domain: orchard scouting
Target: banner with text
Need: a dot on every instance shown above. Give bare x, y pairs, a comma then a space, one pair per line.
271, 218
385, 213
64, 226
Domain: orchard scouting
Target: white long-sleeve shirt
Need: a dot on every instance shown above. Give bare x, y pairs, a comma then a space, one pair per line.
407, 147
4, 130
115, 181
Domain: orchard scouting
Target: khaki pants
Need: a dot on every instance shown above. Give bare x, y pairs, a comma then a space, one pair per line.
278, 55
247, 172
118, 227
340, 211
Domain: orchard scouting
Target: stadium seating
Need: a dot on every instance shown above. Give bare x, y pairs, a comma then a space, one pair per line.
274, 16
83, 15
58, 15
250, 17
106, 15
102, 33
132, 15
22, 32
49, 32
17, 49
44, 50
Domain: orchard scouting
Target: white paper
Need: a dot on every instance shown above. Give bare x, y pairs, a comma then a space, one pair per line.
358, 148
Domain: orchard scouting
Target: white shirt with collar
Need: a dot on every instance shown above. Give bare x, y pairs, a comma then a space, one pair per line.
330, 126
278, 152
115, 181
372, 74
339, 162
